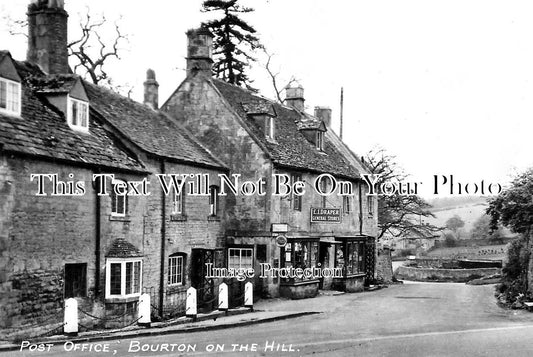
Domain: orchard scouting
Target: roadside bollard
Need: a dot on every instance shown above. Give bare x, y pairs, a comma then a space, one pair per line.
223, 297
191, 308
70, 327
249, 295
144, 311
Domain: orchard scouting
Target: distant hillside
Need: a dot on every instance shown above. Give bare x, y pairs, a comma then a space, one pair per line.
446, 203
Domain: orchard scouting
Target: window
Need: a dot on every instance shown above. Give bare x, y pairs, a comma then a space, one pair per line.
176, 264
351, 257
320, 140
177, 202
123, 277
10, 96
75, 280
240, 258
296, 200
269, 127
213, 200
370, 205
324, 188
118, 200
301, 254
347, 204
78, 114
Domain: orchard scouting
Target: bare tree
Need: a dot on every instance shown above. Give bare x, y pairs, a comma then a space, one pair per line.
91, 52
398, 215
274, 76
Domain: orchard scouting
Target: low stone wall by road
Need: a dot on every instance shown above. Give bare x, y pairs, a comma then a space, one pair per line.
451, 275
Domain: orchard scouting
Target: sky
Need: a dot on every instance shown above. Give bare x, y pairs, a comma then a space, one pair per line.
444, 86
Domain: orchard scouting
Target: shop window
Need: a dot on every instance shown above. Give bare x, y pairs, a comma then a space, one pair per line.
176, 268
118, 200
296, 200
301, 254
240, 258
351, 257
10, 96
123, 278
75, 280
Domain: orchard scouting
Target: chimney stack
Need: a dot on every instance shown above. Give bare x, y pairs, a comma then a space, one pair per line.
324, 114
199, 51
294, 97
47, 36
151, 90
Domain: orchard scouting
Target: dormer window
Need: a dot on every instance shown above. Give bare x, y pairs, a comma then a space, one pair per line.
269, 128
10, 96
320, 140
78, 114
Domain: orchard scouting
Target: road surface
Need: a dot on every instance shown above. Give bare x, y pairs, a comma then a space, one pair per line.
414, 319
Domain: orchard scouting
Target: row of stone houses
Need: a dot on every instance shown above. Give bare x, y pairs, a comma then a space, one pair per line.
82, 237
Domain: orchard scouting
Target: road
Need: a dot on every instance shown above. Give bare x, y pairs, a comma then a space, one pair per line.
413, 319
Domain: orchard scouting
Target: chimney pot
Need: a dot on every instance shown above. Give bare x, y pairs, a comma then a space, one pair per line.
199, 51
294, 97
151, 90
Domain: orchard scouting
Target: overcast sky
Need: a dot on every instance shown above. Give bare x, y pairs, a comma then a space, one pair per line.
446, 86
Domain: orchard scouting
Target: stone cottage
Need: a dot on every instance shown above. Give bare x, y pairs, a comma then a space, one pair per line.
259, 138
70, 229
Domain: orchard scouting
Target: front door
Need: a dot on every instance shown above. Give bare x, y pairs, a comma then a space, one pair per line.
205, 288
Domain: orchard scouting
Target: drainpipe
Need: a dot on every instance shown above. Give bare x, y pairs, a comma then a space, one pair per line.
163, 234
97, 246
360, 209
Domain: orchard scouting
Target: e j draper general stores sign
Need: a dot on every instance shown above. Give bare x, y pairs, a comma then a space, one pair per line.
325, 215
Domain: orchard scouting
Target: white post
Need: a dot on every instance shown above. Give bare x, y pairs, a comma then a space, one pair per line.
249, 295
223, 297
70, 320
191, 308
144, 311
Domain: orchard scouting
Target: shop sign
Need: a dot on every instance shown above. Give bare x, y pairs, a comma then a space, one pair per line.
281, 240
325, 215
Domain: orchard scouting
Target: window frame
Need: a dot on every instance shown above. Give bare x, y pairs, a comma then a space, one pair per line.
123, 278
320, 140
70, 115
346, 205
15, 97
241, 249
270, 128
180, 259
370, 205
296, 202
213, 201
178, 205
115, 198
351, 266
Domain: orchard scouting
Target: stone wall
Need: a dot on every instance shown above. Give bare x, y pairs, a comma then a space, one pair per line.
450, 275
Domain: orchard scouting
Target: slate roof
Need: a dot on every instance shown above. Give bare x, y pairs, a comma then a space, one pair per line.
121, 248
291, 149
54, 84
43, 131
152, 131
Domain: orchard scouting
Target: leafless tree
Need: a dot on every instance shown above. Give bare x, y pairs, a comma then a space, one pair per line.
274, 76
92, 52
398, 215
